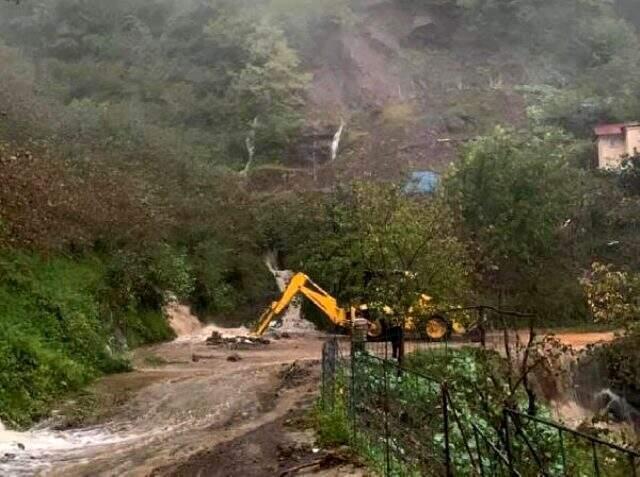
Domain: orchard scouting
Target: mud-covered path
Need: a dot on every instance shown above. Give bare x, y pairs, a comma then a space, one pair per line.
178, 407
188, 410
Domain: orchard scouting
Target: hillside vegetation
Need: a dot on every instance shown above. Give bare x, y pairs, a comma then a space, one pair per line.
153, 147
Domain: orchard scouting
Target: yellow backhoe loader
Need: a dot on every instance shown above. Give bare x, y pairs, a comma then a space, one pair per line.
422, 319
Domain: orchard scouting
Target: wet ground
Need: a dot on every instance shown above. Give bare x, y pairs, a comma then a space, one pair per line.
281, 447
184, 398
495, 340
188, 410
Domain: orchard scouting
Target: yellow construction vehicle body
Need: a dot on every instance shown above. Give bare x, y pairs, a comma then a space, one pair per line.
435, 327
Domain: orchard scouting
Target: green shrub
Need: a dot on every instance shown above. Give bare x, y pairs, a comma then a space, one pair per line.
33, 374
52, 338
212, 266
332, 423
141, 278
145, 326
228, 279
54, 333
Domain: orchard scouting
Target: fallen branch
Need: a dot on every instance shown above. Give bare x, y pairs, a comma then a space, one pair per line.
197, 357
302, 466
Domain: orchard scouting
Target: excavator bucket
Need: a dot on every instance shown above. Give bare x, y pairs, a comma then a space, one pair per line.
265, 319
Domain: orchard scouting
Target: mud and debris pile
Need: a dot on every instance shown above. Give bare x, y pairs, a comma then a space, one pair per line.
235, 342
295, 374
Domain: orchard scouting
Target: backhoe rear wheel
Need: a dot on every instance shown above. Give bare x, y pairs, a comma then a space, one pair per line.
437, 328
375, 329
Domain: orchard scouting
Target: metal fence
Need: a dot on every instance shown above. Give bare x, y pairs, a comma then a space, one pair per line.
571, 452
406, 423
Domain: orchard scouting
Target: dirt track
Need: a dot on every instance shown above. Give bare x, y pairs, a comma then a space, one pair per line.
495, 340
581, 340
179, 408
187, 410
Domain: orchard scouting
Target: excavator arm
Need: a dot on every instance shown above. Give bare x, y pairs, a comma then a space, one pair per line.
301, 283
435, 326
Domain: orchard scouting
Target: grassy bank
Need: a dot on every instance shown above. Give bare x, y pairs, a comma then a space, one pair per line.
60, 327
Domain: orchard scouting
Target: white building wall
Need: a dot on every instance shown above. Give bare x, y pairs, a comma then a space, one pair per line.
633, 140
611, 148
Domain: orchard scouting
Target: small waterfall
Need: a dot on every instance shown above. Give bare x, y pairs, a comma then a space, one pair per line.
292, 320
335, 144
616, 407
181, 319
585, 394
250, 143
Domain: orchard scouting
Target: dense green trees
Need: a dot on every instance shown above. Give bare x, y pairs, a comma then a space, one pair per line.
124, 124
206, 74
371, 243
514, 191
600, 76
536, 219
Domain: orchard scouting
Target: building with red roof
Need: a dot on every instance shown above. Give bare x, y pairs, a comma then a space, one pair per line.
615, 142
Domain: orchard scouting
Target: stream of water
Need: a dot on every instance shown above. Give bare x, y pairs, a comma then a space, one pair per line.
335, 144
167, 412
178, 400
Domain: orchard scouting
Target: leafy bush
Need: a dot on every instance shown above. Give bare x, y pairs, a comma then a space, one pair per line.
59, 318
141, 278
616, 366
332, 423
33, 374
52, 337
630, 175
613, 296
144, 326
212, 268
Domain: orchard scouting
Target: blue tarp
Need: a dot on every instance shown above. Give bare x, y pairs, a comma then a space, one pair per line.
422, 182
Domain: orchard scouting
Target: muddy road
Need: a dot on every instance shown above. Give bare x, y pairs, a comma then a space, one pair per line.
184, 398
187, 410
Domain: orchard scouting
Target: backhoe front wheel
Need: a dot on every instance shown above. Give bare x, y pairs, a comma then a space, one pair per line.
437, 328
375, 329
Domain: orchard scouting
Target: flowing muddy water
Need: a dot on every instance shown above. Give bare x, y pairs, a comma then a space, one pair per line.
191, 399
183, 399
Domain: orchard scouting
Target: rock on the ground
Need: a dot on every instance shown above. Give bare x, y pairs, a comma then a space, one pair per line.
235, 342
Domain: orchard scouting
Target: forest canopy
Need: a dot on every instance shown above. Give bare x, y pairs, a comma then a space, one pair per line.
151, 148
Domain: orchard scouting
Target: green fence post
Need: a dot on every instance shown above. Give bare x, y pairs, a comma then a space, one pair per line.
563, 453
387, 450
354, 397
596, 464
478, 450
507, 442
447, 444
